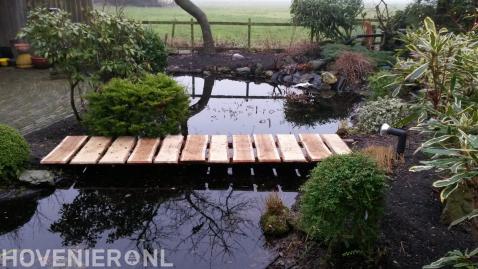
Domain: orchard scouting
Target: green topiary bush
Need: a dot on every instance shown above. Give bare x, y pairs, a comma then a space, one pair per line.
14, 154
155, 105
373, 114
342, 203
380, 84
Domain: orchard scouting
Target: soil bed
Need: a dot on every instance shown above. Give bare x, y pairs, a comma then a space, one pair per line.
194, 63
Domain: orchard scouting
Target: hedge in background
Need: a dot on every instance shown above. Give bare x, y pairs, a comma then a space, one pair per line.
14, 154
153, 106
343, 202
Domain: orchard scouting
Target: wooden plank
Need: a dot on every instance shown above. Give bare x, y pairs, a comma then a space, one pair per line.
314, 147
336, 144
144, 151
92, 151
195, 148
266, 149
63, 153
119, 151
242, 151
170, 149
218, 149
290, 149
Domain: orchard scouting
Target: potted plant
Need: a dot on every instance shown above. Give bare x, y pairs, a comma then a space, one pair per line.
40, 62
24, 59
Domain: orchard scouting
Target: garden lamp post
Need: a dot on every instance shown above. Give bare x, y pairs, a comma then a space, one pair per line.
400, 133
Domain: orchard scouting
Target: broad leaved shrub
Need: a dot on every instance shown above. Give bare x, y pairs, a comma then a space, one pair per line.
381, 84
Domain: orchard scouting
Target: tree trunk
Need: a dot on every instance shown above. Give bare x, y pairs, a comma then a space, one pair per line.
72, 100
200, 16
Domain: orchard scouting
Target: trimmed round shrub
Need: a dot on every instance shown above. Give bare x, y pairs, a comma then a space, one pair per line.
155, 105
373, 114
14, 154
342, 202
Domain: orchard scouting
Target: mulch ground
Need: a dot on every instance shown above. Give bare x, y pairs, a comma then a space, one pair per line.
195, 62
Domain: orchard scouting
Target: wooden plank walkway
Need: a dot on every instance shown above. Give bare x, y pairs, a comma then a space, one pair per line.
215, 149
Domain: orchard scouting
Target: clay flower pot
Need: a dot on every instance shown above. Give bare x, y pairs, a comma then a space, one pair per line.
22, 47
40, 62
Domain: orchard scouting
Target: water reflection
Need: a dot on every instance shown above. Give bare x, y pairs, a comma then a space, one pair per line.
197, 228
237, 107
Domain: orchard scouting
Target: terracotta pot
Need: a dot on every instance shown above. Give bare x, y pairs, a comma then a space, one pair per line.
40, 62
22, 47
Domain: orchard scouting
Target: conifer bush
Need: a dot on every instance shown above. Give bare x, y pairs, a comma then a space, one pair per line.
155, 105
14, 154
343, 202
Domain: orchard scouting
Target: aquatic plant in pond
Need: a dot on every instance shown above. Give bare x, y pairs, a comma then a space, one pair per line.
275, 221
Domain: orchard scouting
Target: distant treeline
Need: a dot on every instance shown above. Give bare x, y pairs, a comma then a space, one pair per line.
138, 3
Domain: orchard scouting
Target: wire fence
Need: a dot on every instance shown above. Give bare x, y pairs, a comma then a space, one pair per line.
244, 35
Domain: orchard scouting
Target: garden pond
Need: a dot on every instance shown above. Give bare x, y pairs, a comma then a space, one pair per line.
201, 217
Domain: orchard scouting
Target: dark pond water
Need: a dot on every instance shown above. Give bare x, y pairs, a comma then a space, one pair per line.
237, 107
201, 217
196, 228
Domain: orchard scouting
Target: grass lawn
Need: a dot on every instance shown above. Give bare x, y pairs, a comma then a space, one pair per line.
264, 37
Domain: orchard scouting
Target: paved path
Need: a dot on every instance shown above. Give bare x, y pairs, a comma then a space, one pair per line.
30, 100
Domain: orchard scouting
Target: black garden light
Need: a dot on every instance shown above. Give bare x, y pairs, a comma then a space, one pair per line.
400, 133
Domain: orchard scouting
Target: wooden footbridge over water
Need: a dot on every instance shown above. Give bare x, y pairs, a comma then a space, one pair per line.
214, 149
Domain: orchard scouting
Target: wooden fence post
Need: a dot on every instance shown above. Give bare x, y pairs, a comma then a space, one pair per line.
172, 32
249, 29
192, 35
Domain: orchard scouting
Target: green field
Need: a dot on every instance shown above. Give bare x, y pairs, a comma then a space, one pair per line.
230, 36
263, 37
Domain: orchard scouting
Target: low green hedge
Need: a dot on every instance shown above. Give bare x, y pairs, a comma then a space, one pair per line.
156, 105
14, 154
